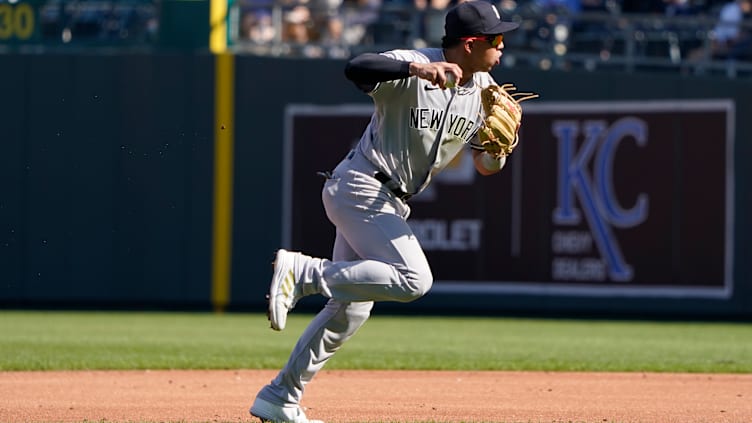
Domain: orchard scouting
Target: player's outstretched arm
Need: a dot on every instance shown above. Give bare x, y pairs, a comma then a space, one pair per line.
368, 69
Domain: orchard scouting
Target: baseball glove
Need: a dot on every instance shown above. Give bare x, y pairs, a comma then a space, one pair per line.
498, 132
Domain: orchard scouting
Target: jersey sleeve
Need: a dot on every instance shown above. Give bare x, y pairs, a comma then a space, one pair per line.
386, 89
368, 69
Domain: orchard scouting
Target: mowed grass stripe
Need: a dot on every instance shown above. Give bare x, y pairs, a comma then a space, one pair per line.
37, 340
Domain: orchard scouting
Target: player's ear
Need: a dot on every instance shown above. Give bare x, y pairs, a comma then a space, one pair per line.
468, 45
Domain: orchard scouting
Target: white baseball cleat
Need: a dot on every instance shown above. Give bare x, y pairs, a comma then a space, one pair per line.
272, 413
285, 291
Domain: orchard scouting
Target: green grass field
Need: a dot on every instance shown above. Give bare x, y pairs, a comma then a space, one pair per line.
121, 340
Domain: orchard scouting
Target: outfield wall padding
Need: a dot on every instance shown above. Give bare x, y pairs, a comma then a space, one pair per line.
107, 169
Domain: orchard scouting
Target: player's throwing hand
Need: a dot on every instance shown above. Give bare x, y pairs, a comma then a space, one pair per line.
437, 73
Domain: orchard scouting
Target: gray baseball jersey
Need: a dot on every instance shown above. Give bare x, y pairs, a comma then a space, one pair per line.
418, 128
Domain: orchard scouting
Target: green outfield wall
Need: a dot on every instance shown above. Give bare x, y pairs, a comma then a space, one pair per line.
106, 179
108, 170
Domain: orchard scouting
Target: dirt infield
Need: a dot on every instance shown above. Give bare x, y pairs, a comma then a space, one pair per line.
371, 396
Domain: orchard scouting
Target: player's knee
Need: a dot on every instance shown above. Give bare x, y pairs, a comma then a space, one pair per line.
419, 283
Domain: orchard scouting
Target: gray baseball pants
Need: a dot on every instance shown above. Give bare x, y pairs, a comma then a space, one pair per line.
376, 257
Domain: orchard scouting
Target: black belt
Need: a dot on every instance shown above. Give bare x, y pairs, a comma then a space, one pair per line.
392, 186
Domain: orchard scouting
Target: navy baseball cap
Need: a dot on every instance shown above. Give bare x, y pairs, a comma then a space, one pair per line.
475, 17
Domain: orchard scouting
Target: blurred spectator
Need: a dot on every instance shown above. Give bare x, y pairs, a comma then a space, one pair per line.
728, 39
295, 25
256, 22
429, 22
257, 26
358, 16
326, 23
416, 23
729, 30
280, 26
394, 24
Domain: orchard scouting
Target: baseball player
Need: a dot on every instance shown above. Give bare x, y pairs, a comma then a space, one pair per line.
427, 108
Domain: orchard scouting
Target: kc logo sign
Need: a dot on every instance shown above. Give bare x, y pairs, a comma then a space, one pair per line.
595, 193
600, 199
636, 199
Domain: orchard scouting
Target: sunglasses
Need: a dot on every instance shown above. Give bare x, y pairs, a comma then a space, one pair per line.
495, 40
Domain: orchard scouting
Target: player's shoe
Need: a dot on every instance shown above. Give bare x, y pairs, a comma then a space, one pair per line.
273, 413
285, 289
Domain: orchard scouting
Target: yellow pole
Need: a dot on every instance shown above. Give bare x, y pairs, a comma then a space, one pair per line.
218, 26
223, 179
